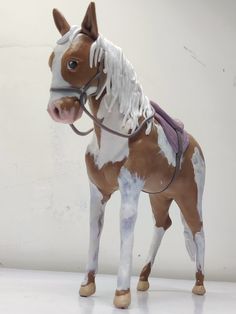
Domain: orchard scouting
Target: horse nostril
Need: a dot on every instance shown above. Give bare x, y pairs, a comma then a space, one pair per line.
57, 112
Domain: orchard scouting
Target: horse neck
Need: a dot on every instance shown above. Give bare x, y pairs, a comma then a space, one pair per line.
107, 147
112, 119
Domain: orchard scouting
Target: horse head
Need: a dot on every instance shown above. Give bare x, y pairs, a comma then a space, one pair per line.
71, 67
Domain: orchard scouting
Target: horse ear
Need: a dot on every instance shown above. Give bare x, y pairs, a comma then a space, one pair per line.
61, 23
89, 24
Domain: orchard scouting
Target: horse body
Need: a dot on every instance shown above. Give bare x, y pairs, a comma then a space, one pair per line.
145, 162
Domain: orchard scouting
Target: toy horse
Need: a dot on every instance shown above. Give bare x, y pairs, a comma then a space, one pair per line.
135, 147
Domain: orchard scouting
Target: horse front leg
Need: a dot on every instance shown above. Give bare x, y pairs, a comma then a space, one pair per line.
130, 187
97, 208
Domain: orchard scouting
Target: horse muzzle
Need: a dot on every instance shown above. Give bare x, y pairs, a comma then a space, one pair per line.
65, 110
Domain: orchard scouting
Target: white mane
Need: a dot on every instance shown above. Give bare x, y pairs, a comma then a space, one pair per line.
121, 83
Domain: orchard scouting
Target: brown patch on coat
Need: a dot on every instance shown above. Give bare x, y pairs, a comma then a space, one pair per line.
50, 60
199, 278
91, 278
121, 292
160, 207
106, 178
79, 50
145, 272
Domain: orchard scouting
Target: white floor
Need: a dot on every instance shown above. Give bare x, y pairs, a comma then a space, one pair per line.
40, 292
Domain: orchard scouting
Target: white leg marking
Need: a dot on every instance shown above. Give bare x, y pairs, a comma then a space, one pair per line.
189, 241
199, 240
158, 234
199, 174
96, 224
130, 188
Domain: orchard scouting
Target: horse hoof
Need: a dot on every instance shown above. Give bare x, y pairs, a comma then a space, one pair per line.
122, 300
87, 290
199, 290
142, 285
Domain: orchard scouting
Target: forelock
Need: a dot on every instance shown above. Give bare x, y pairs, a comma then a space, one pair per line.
69, 36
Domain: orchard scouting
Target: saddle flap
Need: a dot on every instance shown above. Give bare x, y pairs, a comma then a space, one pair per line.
171, 127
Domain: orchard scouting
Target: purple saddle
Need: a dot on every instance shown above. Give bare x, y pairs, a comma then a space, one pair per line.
170, 128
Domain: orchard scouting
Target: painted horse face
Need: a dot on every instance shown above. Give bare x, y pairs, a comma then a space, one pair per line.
69, 63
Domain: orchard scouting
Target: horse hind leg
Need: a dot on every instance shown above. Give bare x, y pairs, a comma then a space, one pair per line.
160, 208
191, 208
195, 245
199, 237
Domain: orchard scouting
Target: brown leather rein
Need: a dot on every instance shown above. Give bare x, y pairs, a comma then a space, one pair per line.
83, 96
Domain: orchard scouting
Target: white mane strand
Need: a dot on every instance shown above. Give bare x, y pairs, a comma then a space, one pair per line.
121, 83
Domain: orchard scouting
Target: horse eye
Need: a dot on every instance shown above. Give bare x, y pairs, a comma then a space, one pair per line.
72, 64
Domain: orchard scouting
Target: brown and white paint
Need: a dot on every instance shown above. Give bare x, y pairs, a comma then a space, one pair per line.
145, 162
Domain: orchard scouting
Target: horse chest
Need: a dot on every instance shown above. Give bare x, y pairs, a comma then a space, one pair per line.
106, 177
142, 157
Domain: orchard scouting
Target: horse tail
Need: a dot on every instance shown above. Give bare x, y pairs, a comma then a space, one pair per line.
189, 243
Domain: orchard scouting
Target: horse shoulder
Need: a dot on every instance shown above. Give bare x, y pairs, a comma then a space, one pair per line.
145, 157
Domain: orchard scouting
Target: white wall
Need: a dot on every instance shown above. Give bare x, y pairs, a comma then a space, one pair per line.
185, 55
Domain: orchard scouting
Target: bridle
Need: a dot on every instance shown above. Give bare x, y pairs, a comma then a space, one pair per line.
83, 96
